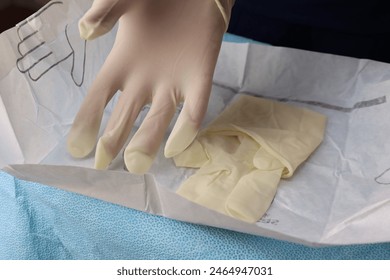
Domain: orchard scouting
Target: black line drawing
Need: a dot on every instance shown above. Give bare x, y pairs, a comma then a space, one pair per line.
37, 56
267, 220
383, 178
358, 105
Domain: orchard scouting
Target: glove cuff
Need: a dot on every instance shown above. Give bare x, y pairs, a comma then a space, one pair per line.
225, 7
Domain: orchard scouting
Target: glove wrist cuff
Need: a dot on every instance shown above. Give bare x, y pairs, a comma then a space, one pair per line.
225, 7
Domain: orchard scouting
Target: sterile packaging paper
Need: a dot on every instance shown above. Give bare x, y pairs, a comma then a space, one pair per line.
340, 195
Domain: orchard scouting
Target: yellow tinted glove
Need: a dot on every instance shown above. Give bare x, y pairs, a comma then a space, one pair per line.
244, 152
164, 53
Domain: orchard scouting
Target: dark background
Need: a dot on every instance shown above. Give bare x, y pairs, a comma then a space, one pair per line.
11, 15
346, 27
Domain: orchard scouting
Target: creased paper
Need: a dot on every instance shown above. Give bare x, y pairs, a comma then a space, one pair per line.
340, 195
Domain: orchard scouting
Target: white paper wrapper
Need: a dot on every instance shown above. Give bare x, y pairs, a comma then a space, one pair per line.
340, 195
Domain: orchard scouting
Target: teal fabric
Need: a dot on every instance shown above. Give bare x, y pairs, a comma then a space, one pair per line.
236, 39
42, 222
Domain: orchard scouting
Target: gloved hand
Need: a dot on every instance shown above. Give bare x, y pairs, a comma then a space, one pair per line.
243, 154
164, 53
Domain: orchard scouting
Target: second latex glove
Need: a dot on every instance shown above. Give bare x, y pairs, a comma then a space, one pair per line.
243, 154
165, 53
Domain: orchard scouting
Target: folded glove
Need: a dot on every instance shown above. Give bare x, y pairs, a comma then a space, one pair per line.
165, 53
243, 154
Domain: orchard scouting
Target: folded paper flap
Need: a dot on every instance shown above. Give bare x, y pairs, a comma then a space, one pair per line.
116, 187
287, 132
136, 192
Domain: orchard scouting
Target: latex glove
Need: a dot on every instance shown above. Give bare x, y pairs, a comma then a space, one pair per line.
164, 53
41, 48
243, 154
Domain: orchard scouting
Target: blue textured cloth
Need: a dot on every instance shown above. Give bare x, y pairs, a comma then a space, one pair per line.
42, 222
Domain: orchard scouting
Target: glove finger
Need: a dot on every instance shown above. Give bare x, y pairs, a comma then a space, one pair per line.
193, 157
85, 128
209, 187
253, 195
189, 122
99, 19
118, 128
264, 160
143, 147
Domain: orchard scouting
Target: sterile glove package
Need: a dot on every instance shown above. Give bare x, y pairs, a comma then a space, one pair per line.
339, 194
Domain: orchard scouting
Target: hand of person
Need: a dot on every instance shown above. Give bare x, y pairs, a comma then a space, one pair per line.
165, 53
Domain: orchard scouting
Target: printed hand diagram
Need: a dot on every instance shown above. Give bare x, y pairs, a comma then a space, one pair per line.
45, 43
383, 178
